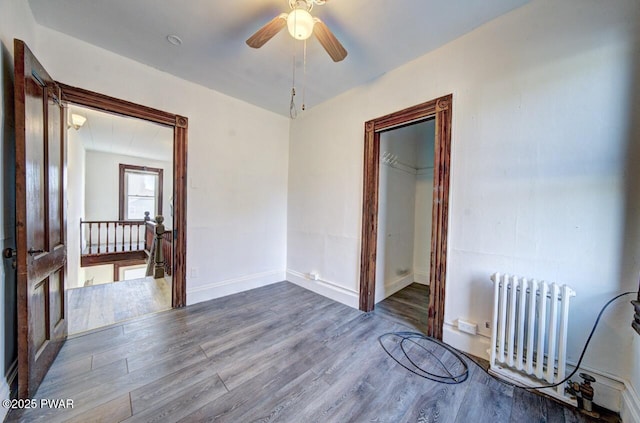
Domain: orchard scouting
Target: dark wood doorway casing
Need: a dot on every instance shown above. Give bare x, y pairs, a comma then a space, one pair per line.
440, 109
179, 124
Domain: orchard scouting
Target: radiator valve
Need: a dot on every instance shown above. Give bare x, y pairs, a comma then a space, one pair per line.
583, 392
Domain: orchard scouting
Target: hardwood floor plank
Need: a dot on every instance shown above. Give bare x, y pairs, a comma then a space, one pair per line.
335, 403
555, 412
69, 369
483, 404
350, 395
72, 385
438, 404
409, 307
340, 334
86, 345
96, 391
243, 398
236, 372
356, 349
199, 392
254, 343
409, 397
180, 332
271, 408
528, 406
277, 353
96, 306
160, 391
113, 411
483, 377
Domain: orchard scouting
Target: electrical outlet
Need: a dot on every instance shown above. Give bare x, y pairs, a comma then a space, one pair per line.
194, 272
467, 327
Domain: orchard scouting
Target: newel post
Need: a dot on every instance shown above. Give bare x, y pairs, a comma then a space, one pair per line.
158, 271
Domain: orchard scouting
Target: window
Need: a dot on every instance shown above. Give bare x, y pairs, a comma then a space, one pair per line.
140, 191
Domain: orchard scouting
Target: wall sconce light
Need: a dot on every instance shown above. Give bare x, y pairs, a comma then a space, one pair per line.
77, 121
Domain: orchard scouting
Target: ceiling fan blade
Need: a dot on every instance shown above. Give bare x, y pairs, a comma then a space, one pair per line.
268, 31
329, 41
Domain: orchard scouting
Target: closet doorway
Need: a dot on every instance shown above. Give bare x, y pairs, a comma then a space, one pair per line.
440, 111
404, 223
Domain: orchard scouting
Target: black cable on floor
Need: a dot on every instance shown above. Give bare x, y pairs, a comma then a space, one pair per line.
417, 370
451, 379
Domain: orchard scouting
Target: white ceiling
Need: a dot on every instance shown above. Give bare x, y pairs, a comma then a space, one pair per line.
110, 133
379, 35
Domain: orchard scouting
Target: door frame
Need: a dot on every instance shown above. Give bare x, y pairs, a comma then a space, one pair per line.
180, 126
440, 109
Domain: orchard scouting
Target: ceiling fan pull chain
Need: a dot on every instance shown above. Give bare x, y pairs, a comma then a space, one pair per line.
292, 106
304, 74
293, 113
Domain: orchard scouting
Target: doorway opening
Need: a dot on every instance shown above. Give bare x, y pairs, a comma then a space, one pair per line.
439, 111
404, 223
150, 177
120, 177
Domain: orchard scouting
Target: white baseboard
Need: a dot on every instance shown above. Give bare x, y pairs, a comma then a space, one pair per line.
477, 345
392, 287
232, 286
326, 288
630, 407
421, 277
5, 387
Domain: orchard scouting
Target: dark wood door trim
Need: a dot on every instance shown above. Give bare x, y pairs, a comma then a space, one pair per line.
180, 126
440, 109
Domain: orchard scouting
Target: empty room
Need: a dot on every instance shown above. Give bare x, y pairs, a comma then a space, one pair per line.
320, 210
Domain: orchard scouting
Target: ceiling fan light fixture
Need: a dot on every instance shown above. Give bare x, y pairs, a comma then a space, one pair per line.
300, 24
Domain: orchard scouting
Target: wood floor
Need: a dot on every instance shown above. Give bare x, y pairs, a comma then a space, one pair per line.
278, 353
101, 305
408, 307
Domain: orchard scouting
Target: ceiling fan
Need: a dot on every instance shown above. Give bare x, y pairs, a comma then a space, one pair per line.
301, 25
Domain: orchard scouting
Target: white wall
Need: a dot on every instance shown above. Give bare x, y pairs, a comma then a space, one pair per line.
75, 206
237, 159
424, 204
102, 184
539, 136
98, 275
396, 213
16, 21
631, 249
237, 165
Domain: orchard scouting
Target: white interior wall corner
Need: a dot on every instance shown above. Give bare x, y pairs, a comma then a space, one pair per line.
237, 173
536, 182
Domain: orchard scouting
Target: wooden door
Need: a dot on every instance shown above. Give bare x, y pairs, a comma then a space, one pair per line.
40, 219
